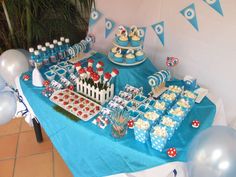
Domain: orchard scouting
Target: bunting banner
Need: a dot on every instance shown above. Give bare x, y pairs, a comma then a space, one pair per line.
159, 30
215, 4
142, 33
94, 17
190, 14
109, 26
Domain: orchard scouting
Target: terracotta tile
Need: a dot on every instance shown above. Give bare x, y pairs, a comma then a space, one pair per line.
60, 168
28, 144
8, 146
39, 165
6, 168
25, 126
11, 127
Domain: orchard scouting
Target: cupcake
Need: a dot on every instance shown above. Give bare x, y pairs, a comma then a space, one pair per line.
130, 58
123, 40
139, 55
112, 52
135, 41
118, 57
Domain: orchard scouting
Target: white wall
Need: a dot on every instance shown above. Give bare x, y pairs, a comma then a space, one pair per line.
209, 55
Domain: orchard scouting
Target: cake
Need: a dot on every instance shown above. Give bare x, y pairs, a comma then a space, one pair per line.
139, 55
118, 57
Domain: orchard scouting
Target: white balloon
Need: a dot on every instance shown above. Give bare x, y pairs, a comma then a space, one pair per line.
12, 64
7, 106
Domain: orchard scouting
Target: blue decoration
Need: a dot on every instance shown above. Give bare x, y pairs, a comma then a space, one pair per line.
142, 33
190, 14
94, 17
215, 4
109, 26
159, 30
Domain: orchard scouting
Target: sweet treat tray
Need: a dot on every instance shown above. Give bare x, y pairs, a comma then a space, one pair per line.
127, 64
76, 104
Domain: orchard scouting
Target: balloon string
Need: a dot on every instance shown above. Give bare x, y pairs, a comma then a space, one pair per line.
20, 99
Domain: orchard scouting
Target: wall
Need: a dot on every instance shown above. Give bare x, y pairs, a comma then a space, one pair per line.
209, 55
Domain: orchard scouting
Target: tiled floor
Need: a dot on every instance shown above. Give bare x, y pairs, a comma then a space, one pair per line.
22, 156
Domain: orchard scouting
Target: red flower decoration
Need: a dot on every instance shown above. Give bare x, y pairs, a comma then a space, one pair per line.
172, 152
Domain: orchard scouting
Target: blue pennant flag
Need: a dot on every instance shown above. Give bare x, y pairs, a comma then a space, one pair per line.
109, 26
159, 30
190, 14
94, 17
142, 33
215, 4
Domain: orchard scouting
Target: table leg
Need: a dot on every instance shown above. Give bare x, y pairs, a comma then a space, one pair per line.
37, 130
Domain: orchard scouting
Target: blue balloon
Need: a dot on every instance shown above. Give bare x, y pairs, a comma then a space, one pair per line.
2, 83
212, 153
7, 106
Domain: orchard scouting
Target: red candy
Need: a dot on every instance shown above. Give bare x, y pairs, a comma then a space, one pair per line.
171, 152
60, 100
97, 108
76, 102
85, 116
86, 101
26, 77
86, 108
75, 109
46, 83
71, 87
131, 124
81, 105
91, 104
65, 103
195, 123
66, 96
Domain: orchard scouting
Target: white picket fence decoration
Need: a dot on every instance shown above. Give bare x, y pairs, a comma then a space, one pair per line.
100, 96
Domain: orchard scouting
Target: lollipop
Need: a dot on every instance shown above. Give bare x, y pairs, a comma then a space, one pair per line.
107, 77
96, 78
90, 62
82, 73
99, 64
114, 72
78, 66
89, 70
100, 71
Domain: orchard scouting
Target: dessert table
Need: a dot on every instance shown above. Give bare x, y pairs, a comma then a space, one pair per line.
90, 151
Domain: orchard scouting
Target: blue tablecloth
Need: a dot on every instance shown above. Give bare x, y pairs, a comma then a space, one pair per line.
91, 151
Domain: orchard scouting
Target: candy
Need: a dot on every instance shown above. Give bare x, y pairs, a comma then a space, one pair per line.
195, 123
90, 62
99, 64
107, 76
46, 83
171, 61
114, 72
171, 152
130, 124
26, 77
71, 87
100, 71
